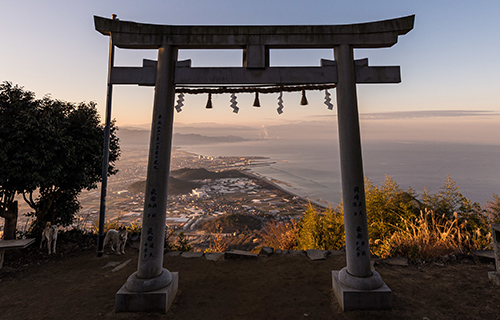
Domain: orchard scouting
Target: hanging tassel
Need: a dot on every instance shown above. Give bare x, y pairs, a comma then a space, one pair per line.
328, 100
180, 102
234, 103
303, 101
280, 103
209, 101
256, 102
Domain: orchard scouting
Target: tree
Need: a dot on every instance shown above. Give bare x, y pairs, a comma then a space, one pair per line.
321, 230
18, 152
449, 200
55, 148
492, 209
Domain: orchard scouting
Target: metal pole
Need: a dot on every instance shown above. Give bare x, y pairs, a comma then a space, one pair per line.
105, 151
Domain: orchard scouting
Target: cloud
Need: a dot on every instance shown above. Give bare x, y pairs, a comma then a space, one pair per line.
426, 114
418, 114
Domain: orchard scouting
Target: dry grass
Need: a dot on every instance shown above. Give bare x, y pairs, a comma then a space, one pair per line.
430, 236
280, 235
218, 243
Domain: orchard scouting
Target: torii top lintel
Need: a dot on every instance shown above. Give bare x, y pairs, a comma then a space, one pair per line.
133, 35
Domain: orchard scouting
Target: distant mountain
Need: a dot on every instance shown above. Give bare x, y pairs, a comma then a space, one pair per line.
135, 136
191, 138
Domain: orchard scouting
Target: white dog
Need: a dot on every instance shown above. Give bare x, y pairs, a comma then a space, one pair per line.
49, 235
118, 239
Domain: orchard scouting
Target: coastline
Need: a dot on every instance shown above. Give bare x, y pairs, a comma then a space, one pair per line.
255, 175
258, 161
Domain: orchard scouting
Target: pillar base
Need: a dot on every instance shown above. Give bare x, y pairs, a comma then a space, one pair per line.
152, 301
355, 299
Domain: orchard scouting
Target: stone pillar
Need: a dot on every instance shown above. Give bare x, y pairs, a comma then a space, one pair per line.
494, 276
152, 288
355, 286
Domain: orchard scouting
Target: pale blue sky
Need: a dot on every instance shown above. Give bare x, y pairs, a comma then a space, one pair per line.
448, 62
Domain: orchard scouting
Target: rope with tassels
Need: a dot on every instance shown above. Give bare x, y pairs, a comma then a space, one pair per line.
250, 89
253, 89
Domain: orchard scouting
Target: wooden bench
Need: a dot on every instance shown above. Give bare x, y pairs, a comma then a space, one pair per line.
13, 244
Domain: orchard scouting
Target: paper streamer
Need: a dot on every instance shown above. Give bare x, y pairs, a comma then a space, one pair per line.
328, 100
280, 103
234, 103
180, 102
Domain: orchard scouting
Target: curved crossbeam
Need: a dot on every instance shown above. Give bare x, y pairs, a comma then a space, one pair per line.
133, 35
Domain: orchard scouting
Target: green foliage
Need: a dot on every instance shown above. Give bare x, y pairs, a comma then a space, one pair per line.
385, 206
19, 150
321, 230
492, 209
449, 200
398, 223
53, 147
182, 243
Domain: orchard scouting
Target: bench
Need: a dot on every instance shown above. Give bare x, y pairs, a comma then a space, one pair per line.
13, 244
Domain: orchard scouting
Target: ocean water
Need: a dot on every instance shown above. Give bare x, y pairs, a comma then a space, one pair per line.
312, 168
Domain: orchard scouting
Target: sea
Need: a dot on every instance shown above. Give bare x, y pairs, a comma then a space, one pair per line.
311, 168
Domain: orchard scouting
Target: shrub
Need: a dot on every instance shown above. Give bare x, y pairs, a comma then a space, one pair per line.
321, 230
182, 243
280, 235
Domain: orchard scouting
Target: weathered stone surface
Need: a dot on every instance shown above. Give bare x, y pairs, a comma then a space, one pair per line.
266, 251
317, 254
352, 299
494, 277
278, 251
489, 254
297, 252
153, 301
214, 256
378, 34
337, 252
173, 253
192, 254
397, 261
235, 254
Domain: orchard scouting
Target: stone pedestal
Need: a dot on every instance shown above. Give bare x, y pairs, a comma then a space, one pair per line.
361, 299
150, 301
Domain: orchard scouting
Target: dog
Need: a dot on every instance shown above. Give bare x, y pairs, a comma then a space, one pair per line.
49, 235
117, 238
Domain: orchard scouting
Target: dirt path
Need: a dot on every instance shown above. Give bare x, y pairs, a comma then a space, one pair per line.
275, 287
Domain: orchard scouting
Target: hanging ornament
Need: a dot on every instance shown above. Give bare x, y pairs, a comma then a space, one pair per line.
180, 102
256, 102
328, 100
303, 101
209, 101
234, 103
280, 103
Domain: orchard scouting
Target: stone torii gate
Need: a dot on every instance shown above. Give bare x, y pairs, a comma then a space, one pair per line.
153, 288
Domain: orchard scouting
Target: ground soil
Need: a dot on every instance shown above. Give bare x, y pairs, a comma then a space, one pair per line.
75, 284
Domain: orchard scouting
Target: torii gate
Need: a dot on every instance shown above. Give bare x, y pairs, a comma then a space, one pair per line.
153, 288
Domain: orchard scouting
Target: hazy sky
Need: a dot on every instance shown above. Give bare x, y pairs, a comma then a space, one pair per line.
449, 61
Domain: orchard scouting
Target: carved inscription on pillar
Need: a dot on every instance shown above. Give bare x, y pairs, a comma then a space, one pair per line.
157, 142
359, 211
